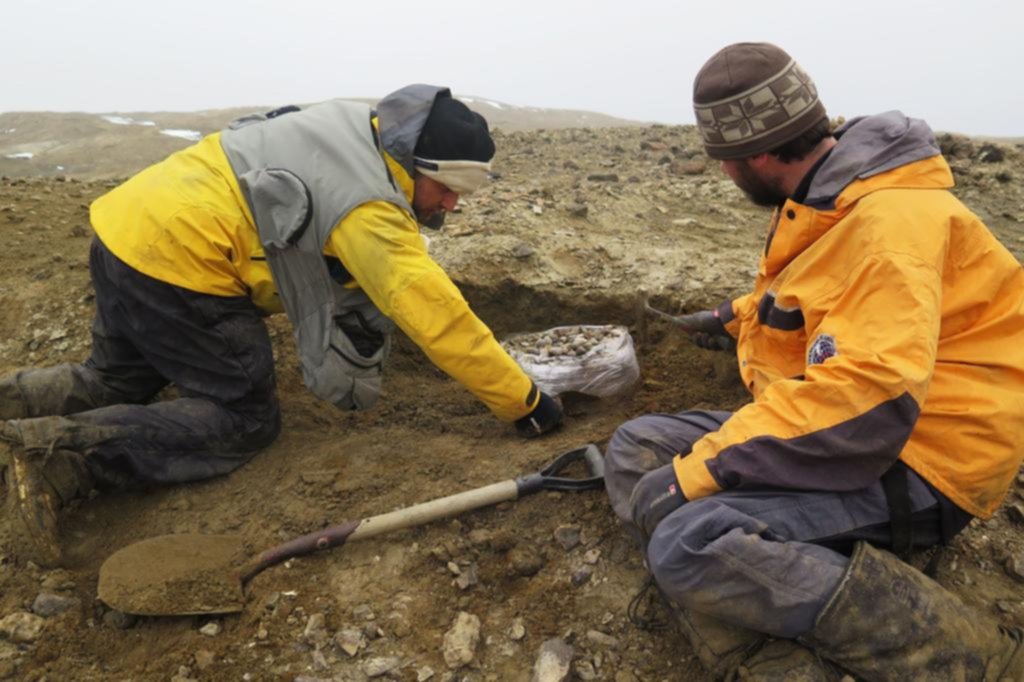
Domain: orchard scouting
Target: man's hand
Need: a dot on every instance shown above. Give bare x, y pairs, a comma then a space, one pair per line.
546, 416
656, 495
707, 330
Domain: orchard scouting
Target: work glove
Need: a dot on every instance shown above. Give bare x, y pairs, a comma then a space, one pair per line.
707, 331
656, 495
544, 417
364, 338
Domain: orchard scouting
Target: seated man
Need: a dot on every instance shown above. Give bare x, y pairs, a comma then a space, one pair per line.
314, 212
881, 344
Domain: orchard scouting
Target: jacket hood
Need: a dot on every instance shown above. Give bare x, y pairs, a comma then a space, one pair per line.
867, 146
402, 115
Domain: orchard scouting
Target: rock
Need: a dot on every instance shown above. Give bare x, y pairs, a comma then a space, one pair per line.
601, 639
603, 177
381, 665
585, 670
461, 640
47, 604
22, 628
1016, 512
525, 561
118, 620
591, 556
363, 612
480, 537
554, 661
691, 167
468, 577
57, 581
204, 659
568, 536
522, 250
582, 575
372, 632
578, 210
1015, 566
399, 625
990, 153
423, 674
315, 632
184, 674
212, 629
517, 630
350, 640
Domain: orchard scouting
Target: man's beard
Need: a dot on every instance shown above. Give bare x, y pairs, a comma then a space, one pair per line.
758, 190
434, 220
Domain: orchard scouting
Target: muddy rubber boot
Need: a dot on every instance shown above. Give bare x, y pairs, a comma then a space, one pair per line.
41, 484
888, 621
730, 653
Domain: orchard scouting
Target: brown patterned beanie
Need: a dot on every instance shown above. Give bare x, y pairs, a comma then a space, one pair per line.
750, 98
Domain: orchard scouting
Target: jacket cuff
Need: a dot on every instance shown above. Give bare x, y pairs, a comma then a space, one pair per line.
694, 477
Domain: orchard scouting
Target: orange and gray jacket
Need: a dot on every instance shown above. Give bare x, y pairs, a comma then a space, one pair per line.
886, 321
255, 210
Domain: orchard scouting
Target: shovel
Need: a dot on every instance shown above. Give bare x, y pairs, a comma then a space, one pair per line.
194, 574
672, 319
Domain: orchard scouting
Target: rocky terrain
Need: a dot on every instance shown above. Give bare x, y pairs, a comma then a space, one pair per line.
577, 226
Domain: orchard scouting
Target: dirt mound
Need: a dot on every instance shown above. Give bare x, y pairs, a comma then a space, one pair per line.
577, 223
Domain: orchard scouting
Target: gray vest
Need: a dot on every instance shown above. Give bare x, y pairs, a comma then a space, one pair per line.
301, 173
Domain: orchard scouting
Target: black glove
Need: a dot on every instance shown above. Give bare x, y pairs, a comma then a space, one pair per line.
656, 495
365, 339
546, 416
707, 330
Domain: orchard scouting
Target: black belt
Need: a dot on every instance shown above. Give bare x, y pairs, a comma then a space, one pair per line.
897, 497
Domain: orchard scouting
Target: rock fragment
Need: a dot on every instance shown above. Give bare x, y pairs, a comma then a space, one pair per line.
381, 665
21, 627
554, 662
47, 604
568, 536
461, 640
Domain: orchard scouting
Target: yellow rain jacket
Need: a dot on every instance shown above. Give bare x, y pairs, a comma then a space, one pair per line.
184, 221
886, 320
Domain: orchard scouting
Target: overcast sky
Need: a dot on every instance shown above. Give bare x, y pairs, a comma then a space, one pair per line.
959, 64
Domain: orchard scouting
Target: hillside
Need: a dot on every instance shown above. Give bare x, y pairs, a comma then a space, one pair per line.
118, 144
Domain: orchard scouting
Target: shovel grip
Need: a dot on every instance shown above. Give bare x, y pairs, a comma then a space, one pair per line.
325, 538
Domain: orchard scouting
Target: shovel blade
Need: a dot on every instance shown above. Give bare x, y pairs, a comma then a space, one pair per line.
175, 575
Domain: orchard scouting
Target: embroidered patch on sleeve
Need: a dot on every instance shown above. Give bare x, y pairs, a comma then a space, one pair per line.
822, 349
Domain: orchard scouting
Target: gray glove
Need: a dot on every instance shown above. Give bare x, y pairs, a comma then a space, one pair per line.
707, 330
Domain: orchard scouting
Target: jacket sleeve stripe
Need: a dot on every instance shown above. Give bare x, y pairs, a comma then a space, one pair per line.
775, 317
847, 456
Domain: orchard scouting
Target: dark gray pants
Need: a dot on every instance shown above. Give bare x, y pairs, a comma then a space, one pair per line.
767, 560
148, 334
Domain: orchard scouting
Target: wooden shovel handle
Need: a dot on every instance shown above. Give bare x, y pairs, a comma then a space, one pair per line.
416, 515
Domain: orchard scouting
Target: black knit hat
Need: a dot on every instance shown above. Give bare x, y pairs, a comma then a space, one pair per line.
453, 132
751, 98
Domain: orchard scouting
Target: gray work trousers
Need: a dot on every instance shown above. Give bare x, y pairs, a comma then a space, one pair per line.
765, 559
148, 334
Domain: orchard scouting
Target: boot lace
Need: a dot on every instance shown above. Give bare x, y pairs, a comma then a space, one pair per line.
648, 609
